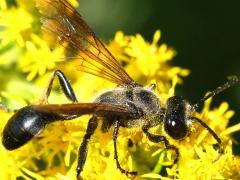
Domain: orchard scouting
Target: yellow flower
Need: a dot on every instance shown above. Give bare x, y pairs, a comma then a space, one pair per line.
16, 21
147, 62
39, 57
3, 4
74, 3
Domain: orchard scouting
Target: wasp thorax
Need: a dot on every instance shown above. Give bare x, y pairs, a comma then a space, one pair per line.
175, 119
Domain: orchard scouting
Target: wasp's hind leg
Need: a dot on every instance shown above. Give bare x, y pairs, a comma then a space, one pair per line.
82, 153
65, 85
115, 134
158, 138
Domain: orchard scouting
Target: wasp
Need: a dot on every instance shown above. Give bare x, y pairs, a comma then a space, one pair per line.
129, 105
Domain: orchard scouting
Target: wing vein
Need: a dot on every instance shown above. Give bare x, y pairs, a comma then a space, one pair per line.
67, 25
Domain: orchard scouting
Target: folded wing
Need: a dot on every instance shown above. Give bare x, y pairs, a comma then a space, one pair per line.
99, 109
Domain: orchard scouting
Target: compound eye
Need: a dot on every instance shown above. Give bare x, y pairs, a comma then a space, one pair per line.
176, 129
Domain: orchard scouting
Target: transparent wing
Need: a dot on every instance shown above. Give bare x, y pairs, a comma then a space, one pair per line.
67, 26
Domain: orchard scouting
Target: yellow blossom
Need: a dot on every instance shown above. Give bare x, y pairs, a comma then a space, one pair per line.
39, 57
3, 4
15, 22
74, 3
147, 62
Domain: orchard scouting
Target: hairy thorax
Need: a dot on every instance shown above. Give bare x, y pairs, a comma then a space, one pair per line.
137, 97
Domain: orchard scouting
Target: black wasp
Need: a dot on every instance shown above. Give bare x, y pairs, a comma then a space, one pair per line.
129, 105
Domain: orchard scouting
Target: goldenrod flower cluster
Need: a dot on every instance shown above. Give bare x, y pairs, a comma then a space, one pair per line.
26, 62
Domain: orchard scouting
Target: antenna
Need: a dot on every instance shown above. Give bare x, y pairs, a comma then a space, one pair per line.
219, 142
231, 80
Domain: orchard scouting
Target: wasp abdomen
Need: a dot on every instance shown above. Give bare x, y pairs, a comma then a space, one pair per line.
23, 126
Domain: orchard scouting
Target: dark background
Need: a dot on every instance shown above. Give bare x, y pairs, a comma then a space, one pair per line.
204, 33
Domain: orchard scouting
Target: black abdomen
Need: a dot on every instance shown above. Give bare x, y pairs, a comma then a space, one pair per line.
23, 126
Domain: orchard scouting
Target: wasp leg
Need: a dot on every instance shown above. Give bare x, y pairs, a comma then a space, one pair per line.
65, 85
82, 153
158, 138
114, 137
